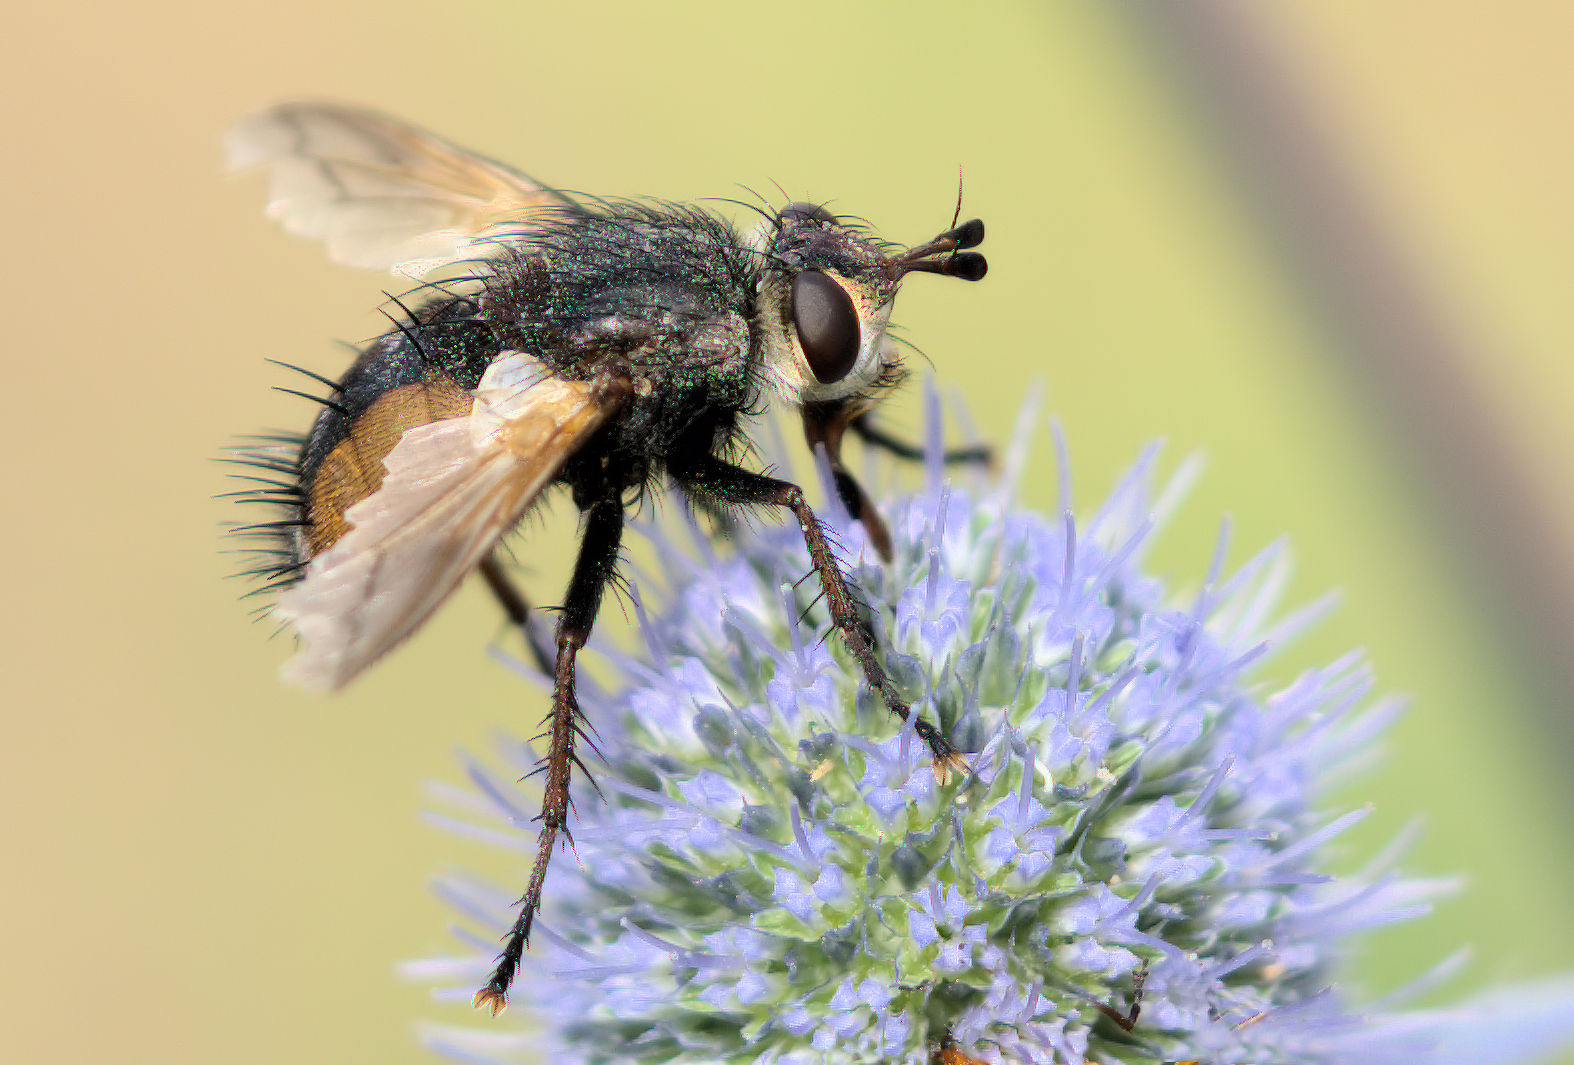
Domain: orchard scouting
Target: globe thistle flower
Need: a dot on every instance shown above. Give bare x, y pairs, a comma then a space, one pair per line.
1131, 870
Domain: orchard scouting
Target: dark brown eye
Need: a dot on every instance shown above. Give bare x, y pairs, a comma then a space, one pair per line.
810, 212
827, 325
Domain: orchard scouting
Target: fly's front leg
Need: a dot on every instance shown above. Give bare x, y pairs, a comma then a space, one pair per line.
597, 564
864, 427
825, 424
711, 477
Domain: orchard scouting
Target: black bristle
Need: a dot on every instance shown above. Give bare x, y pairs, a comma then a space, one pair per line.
270, 482
272, 476
270, 526
319, 378
276, 438
409, 326
261, 461
323, 400
277, 494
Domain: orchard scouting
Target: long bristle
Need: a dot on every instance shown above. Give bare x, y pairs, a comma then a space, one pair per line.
270, 477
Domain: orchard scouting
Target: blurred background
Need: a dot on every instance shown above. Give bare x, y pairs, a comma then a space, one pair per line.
1323, 244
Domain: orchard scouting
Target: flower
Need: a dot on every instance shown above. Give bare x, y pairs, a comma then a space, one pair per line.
772, 874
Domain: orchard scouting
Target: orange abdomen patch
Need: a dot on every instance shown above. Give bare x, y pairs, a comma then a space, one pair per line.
353, 469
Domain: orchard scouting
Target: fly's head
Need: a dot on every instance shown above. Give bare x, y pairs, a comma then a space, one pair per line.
825, 299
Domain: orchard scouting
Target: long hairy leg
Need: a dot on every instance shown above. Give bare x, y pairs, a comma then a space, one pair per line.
596, 566
825, 424
710, 476
517, 609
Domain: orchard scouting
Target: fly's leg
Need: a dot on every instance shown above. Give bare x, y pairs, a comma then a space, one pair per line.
825, 424
517, 609
866, 430
708, 476
597, 565
1128, 1020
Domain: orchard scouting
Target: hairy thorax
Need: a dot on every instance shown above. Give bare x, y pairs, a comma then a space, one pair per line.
662, 301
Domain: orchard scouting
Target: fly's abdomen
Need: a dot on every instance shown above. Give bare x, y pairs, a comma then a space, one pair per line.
352, 467
424, 371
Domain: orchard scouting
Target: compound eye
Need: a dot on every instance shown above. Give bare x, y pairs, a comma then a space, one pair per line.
806, 212
827, 325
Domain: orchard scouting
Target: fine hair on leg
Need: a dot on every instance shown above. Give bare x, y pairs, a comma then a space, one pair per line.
596, 566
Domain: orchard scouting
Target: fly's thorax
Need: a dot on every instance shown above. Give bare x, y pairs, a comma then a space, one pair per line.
658, 293
663, 351
822, 308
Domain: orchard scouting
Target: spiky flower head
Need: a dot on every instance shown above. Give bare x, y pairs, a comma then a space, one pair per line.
772, 873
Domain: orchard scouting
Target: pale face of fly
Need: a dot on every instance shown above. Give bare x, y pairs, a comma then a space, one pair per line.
826, 298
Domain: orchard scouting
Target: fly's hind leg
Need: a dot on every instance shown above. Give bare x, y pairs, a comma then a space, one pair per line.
597, 565
517, 609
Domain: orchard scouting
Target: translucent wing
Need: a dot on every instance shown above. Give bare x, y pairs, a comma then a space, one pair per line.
379, 192
452, 489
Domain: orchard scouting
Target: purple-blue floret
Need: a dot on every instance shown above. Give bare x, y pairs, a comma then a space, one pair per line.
772, 872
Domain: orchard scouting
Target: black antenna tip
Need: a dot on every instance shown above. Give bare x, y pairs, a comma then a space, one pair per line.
968, 265
969, 234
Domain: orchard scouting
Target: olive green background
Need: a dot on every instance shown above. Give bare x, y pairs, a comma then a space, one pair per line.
203, 866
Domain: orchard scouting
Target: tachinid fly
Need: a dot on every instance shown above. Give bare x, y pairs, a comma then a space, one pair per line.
602, 346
